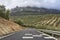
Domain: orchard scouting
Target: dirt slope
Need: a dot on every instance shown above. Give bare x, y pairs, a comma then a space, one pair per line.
7, 27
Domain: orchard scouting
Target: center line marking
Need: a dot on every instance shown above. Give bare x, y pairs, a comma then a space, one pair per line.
27, 34
27, 37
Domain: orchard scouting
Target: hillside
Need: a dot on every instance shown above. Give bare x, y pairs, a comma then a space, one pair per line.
48, 21
7, 27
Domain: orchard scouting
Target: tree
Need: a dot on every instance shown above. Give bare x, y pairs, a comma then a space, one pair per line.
7, 14
3, 12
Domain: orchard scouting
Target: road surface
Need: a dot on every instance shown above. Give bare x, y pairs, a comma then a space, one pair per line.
29, 34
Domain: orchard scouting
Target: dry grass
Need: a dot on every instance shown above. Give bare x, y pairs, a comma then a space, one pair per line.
7, 27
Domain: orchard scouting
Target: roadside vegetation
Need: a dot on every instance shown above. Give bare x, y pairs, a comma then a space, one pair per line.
4, 13
46, 21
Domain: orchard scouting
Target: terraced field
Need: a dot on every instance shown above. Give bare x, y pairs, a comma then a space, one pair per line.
48, 21
54, 21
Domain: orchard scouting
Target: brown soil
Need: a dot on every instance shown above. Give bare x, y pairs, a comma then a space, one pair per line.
7, 27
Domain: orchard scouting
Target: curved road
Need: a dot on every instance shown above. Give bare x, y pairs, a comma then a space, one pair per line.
29, 34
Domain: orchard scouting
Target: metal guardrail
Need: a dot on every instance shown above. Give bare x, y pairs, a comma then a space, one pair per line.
51, 32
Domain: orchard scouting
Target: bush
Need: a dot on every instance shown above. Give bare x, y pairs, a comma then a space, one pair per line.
18, 22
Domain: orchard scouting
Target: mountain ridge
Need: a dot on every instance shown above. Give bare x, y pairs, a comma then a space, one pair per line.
33, 10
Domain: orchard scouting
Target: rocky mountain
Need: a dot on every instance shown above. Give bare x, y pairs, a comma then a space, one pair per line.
32, 11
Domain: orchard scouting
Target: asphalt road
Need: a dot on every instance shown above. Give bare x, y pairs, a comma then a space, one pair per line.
29, 34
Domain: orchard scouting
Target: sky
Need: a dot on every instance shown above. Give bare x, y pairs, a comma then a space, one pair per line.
38, 3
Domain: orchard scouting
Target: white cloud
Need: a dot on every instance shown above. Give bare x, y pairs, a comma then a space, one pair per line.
48, 3
39, 3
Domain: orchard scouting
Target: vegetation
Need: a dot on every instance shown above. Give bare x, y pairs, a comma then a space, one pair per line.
46, 21
7, 14
4, 13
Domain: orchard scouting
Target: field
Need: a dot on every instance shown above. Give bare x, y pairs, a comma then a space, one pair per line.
46, 21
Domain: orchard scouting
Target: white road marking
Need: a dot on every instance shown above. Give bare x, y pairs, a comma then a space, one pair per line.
37, 35
45, 34
27, 34
6, 36
48, 37
27, 37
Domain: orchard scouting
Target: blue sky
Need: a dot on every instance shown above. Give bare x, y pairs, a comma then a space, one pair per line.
39, 3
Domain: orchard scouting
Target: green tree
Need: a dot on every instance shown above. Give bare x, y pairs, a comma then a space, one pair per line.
3, 12
7, 14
